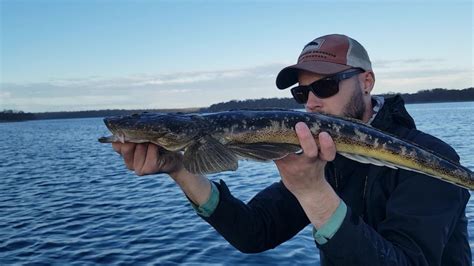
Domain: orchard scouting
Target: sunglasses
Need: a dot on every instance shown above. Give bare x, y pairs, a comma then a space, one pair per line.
323, 88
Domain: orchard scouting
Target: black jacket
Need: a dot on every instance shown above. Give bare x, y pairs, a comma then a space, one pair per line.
394, 217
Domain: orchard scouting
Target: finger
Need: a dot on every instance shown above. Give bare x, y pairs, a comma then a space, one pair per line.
168, 162
151, 161
139, 158
327, 147
306, 139
116, 146
128, 151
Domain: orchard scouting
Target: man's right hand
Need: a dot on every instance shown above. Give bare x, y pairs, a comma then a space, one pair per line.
148, 158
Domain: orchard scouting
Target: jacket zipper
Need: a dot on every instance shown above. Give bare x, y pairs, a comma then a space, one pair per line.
365, 187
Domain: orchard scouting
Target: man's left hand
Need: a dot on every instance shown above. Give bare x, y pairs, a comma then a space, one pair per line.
303, 174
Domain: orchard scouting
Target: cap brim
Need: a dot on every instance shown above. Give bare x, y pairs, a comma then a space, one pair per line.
289, 75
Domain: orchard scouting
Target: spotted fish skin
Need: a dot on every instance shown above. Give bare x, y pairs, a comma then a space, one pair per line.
215, 142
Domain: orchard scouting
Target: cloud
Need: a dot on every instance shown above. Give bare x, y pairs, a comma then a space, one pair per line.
173, 90
410, 80
414, 74
203, 88
381, 64
4, 95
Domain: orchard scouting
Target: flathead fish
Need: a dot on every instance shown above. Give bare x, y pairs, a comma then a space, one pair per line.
215, 142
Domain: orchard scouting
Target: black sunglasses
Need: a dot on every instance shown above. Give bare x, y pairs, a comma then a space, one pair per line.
323, 88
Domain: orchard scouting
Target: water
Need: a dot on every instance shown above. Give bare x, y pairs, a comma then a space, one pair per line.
66, 199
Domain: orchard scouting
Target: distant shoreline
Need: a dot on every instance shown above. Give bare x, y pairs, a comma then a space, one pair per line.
76, 114
421, 97
439, 102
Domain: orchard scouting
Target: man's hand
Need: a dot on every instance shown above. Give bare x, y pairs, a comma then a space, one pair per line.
147, 158
304, 172
303, 175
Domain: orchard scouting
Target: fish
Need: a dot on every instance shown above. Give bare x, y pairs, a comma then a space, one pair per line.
215, 142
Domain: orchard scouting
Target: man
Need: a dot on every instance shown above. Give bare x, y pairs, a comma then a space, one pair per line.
361, 214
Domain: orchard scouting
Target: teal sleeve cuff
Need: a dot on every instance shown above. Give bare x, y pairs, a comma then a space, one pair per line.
210, 205
330, 228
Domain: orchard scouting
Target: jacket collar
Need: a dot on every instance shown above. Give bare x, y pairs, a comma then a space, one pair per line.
393, 114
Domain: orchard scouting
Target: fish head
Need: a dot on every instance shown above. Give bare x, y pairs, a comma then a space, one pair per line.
170, 131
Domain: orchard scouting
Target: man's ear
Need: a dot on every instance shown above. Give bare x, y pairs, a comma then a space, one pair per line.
368, 81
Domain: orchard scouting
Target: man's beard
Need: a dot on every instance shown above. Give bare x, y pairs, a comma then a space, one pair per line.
355, 108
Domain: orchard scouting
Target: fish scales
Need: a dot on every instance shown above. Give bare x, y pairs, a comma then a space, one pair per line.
214, 142
249, 127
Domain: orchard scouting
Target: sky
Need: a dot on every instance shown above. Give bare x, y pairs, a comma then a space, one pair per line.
71, 55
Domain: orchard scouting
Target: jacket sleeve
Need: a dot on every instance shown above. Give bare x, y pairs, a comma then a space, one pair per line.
421, 216
272, 217
416, 229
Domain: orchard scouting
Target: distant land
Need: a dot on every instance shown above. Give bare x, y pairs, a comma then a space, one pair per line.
424, 96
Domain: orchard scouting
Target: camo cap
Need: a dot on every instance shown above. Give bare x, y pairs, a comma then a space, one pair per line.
326, 55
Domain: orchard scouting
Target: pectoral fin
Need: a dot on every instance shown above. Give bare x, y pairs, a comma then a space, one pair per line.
263, 151
208, 156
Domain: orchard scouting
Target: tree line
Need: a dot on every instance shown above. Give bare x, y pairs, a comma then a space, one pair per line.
14, 115
437, 95
423, 96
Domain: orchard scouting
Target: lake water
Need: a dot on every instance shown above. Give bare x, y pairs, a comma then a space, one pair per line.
66, 199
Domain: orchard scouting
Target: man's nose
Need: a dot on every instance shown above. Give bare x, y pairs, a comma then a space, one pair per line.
314, 102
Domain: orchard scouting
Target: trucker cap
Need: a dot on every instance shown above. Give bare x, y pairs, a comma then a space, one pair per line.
326, 55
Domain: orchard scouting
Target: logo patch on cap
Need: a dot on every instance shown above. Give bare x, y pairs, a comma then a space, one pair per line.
314, 45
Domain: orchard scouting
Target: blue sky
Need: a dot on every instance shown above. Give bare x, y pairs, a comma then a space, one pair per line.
81, 55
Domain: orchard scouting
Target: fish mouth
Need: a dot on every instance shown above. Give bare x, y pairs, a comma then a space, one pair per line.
158, 129
116, 137
128, 129
116, 126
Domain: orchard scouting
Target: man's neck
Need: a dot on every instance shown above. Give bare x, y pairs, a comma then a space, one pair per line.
369, 112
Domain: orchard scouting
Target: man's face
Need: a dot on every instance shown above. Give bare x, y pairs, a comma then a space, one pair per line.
347, 102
